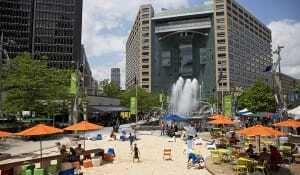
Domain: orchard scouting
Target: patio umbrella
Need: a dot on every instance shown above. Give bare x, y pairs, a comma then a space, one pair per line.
216, 116
290, 123
4, 134
40, 130
222, 121
83, 126
259, 130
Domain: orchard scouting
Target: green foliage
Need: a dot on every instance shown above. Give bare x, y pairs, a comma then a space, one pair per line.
111, 89
212, 100
257, 98
145, 101
32, 86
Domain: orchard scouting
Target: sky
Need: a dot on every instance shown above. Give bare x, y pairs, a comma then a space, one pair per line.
107, 23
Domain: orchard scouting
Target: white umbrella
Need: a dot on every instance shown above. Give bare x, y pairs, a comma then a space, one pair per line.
295, 113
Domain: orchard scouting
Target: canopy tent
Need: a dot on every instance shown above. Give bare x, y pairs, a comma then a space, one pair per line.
83, 126
40, 130
174, 117
295, 113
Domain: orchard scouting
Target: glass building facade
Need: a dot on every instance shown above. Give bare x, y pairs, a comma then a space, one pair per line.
43, 27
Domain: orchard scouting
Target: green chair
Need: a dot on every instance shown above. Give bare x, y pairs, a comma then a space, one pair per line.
52, 170
215, 156
262, 168
38, 171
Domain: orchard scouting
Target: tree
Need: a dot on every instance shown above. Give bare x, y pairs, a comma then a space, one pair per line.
257, 98
32, 86
111, 89
145, 101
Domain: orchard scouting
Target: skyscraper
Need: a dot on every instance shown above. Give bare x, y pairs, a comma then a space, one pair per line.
115, 76
220, 44
43, 27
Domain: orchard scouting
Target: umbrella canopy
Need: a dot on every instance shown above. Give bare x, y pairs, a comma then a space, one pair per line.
288, 123
222, 121
83, 126
216, 116
40, 129
174, 117
4, 134
260, 130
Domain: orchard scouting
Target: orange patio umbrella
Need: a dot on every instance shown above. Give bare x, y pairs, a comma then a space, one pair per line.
288, 124
259, 130
40, 130
222, 121
83, 126
4, 134
216, 116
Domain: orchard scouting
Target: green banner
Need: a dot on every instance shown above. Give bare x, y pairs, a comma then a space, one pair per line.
73, 86
227, 105
133, 105
160, 98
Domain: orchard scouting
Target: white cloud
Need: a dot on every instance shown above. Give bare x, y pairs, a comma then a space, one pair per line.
287, 33
105, 26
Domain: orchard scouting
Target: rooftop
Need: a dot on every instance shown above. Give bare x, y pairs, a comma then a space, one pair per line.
201, 9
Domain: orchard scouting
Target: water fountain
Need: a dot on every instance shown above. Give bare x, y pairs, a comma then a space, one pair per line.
184, 96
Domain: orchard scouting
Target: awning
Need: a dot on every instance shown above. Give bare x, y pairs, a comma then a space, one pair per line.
108, 108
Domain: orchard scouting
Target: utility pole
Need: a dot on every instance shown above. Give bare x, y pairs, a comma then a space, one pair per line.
277, 79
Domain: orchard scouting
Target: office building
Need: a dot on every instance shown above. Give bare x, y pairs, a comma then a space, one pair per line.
220, 44
288, 87
43, 27
138, 50
115, 76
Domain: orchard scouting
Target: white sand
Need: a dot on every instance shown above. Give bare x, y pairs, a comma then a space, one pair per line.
151, 148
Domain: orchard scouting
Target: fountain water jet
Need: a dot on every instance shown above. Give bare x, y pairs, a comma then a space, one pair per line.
184, 96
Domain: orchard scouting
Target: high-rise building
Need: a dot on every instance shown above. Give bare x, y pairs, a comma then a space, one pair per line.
139, 50
43, 27
221, 44
115, 76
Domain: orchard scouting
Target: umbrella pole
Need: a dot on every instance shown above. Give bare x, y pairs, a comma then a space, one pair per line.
41, 151
84, 139
258, 143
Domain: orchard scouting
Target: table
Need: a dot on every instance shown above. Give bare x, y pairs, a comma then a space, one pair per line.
250, 163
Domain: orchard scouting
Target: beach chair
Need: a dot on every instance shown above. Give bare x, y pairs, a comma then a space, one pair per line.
167, 154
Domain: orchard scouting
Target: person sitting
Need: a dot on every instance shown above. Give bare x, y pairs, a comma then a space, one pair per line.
275, 158
250, 152
73, 157
64, 154
136, 153
264, 156
233, 140
79, 151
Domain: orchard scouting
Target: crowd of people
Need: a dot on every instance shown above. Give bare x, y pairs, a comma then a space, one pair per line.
73, 155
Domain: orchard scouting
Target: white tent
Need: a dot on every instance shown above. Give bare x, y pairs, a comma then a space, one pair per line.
295, 113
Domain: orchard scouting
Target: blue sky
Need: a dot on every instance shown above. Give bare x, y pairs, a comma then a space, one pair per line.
106, 25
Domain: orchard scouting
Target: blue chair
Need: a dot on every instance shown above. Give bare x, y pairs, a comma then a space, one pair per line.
67, 172
99, 137
111, 152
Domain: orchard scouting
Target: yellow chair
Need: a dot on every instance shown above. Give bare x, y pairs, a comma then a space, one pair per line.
241, 167
215, 156
262, 168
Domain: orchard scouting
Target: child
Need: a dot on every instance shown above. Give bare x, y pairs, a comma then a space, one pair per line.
136, 153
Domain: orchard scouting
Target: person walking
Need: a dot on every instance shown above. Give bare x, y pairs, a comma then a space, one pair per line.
162, 128
131, 139
136, 153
